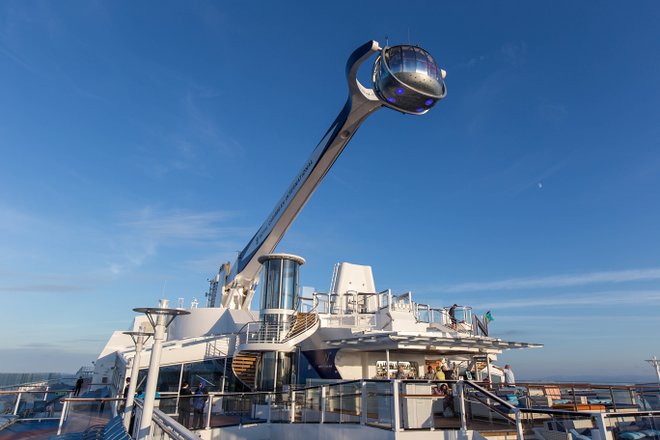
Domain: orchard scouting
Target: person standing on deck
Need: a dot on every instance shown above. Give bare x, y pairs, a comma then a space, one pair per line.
184, 404
79, 383
452, 315
509, 378
199, 401
439, 374
122, 405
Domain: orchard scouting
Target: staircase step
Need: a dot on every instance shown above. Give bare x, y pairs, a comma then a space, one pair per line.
244, 367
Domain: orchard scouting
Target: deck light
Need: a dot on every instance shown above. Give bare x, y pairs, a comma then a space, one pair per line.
160, 318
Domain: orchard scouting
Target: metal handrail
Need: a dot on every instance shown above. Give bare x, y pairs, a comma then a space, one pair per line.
37, 392
488, 394
35, 384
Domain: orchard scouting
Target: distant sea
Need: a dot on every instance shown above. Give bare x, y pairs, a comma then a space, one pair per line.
626, 379
8, 379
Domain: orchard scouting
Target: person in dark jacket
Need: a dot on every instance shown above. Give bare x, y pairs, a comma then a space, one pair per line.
79, 384
185, 394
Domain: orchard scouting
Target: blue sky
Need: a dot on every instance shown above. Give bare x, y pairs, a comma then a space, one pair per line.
143, 143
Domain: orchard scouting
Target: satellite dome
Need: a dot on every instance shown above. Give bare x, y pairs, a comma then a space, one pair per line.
407, 79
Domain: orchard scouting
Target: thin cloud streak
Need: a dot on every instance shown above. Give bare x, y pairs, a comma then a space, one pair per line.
645, 297
620, 276
45, 288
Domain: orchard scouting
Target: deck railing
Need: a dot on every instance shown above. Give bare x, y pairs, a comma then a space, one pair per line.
401, 405
395, 405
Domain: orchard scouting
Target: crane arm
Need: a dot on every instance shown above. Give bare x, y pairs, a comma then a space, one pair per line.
361, 102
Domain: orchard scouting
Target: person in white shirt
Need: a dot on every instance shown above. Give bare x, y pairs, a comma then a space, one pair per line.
509, 378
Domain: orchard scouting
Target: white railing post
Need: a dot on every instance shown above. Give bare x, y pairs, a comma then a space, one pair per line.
64, 409
519, 426
599, 418
292, 408
363, 404
322, 399
461, 392
396, 417
208, 415
18, 400
269, 406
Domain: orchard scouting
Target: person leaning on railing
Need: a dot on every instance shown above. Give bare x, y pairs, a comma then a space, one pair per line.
184, 404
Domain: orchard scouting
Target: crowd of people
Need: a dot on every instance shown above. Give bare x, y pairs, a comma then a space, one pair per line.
442, 372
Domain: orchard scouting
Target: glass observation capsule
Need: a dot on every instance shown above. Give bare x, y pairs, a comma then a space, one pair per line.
406, 78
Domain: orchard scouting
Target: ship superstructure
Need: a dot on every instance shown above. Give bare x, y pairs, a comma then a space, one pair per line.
353, 331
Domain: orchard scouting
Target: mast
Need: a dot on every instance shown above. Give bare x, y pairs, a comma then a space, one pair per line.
655, 362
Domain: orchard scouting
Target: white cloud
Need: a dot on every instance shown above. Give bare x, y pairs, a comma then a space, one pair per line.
555, 281
150, 229
643, 297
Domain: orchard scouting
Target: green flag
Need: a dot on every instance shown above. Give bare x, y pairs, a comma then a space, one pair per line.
489, 317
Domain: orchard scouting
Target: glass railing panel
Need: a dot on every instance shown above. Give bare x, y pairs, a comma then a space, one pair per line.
8, 402
332, 404
379, 404
280, 408
311, 406
87, 414
575, 397
167, 403
298, 406
558, 425
350, 402
426, 405
484, 413
648, 397
237, 409
33, 404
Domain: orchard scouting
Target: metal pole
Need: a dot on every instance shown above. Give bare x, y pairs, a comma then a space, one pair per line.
490, 377
208, 415
224, 374
461, 392
322, 404
152, 375
275, 371
387, 362
519, 426
18, 400
363, 404
396, 419
64, 409
135, 368
602, 427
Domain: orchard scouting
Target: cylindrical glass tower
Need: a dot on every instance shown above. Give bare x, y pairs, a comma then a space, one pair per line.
279, 284
279, 300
